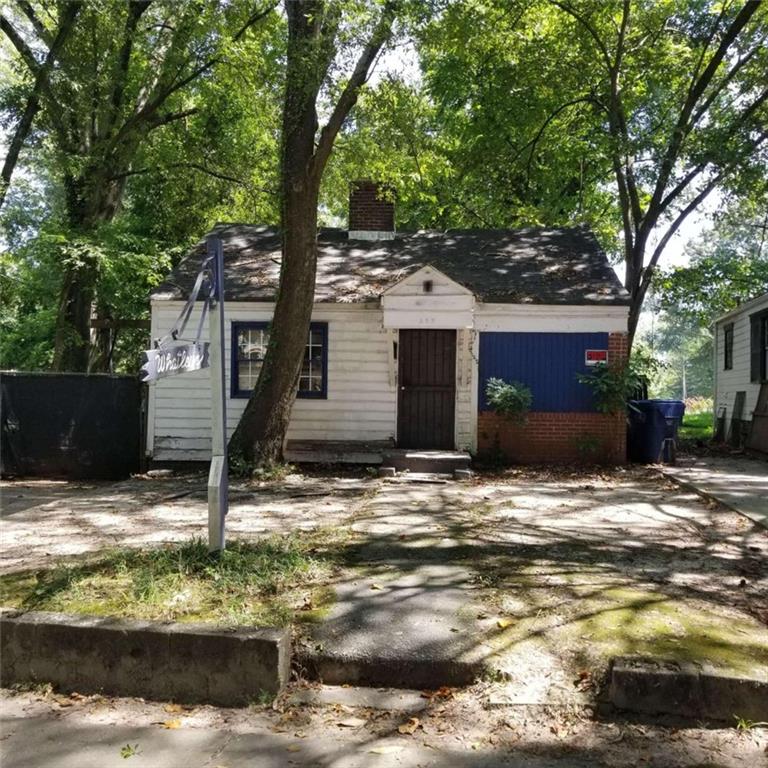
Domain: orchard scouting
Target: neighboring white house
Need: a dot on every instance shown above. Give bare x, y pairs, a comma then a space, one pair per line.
406, 329
741, 352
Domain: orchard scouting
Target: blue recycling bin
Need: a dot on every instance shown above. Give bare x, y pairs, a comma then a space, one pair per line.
651, 422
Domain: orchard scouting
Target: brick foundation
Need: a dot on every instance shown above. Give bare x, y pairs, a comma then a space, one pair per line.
554, 438
559, 437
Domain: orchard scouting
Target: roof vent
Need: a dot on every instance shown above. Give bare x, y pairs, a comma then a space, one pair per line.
371, 211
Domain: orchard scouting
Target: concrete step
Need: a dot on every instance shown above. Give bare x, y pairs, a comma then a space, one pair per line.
426, 461
415, 628
385, 699
405, 671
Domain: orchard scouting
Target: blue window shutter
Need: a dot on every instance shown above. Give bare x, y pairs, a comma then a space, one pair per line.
547, 363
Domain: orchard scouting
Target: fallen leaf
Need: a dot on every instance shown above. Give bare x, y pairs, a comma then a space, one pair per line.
504, 623
173, 709
409, 727
376, 586
351, 722
386, 749
443, 692
171, 724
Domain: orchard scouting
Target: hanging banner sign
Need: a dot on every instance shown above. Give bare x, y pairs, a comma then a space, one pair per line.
170, 360
595, 356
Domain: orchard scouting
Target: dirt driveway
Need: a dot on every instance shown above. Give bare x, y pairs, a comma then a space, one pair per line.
42, 521
563, 570
565, 565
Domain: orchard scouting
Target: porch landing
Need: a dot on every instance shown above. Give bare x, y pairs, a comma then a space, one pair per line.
336, 451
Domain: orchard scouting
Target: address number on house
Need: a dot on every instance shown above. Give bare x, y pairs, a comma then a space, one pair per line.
595, 356
168, 361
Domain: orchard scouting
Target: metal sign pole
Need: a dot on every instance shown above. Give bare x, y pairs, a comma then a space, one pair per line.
217, 477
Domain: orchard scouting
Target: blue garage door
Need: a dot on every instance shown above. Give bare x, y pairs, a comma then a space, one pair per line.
545, 362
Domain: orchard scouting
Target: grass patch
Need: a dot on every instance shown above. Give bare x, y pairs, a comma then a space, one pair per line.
592, 614
696, 426
269, 582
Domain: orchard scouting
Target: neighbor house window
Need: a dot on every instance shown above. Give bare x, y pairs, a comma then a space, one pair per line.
249, 346
758, 346
728, 347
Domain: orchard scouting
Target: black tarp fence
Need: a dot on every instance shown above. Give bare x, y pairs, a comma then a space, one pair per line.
73, 425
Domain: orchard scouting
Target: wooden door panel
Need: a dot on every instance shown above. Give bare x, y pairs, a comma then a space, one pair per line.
427, 388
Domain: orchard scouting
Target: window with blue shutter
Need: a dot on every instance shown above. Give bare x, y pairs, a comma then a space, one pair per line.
249, 346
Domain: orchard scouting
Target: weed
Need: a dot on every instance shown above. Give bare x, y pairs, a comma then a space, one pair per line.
745, 724
262, 699
39, 689
129, 750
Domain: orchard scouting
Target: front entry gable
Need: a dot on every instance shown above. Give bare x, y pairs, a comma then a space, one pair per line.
428, 298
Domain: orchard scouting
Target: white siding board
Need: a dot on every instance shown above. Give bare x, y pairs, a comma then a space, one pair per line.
551, 318
728, 383
360, 403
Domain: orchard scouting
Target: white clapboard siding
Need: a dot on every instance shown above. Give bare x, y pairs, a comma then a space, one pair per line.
728, 383
466, 415
361, 402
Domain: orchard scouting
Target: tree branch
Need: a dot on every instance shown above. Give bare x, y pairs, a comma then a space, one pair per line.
681, 186
145, 113
698, 87
566, 8
743, 61
135, 10
39, 27
348, 97
32, 107
684, 213
18, 43
170, 117
537, 136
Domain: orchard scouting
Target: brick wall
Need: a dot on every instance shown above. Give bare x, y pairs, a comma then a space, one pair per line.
559, 437
371, 207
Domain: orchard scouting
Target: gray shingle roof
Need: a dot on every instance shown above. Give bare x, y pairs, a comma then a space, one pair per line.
522, 266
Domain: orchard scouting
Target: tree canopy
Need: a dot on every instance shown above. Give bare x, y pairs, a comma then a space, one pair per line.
134, 125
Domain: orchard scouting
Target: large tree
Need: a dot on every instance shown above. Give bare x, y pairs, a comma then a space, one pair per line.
123, 70
319, 34
560, 100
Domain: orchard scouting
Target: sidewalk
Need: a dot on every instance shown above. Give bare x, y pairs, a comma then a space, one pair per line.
739, 483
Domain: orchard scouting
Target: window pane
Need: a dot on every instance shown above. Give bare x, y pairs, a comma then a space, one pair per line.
251, 348
311, 377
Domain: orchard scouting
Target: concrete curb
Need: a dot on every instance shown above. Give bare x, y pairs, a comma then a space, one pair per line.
654, 687
690, 486
188, 663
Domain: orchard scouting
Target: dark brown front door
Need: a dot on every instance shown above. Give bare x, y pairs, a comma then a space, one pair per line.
426, 389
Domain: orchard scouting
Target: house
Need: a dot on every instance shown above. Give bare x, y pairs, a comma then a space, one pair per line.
741, 371
406, 329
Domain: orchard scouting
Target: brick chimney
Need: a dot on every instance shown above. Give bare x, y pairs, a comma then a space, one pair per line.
371, 211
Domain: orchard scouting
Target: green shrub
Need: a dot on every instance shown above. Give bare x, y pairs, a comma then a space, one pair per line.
509, 398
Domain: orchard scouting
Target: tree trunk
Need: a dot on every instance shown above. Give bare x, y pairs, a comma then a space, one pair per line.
91, 200
312, 28
72, 334
258, 439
